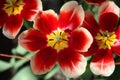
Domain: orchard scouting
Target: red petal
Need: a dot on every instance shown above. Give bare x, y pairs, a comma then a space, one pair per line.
108, 16
71, 63
32, 40
94, 47
71, 15
80, 39
103, 63
116, 46
12, 26
90, 23
44, 61
117, 32
46, 21
3, 15
31, 8
95, 2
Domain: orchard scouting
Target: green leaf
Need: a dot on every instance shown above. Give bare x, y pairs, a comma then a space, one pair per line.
28, 24
4, 65
25, 74
51, 73
19, 50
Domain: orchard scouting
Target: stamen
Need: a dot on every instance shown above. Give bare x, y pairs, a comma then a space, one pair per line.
54, 44
101, 33
64, 39
54, 33
8, 7
106, 39
13, 10
13, 7
51, 39
58, 40
60, 33
18, 57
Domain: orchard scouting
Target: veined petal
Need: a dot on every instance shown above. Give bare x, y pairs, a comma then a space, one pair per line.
46, 21
12, 26
90, 23
72, 64
32, 40
71, 15
95, 2
81, 39
44, 61
108, 15
31, 9
116, 46
103, 63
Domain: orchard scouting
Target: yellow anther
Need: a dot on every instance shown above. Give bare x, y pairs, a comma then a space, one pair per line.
106, 39
58, 40
13, 7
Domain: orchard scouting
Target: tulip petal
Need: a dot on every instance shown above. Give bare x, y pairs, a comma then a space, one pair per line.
116, 46
103, 63
32, 40
12, 26
71, 15
95, 2
31, 8
46, 21
90, 23
108, 15
44, 61
81, 39
72, 64
3, 15
93, 48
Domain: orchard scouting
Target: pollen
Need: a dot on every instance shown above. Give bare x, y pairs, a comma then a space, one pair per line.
106, 39
58, 40
13, 7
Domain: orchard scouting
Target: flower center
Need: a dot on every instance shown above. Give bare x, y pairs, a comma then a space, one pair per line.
58, 40
13, 7
106, 39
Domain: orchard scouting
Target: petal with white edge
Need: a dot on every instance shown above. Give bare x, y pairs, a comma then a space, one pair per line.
80, 39
12, 26
103, 63
72, 64
31, 9
71, 15
32, 40
108, 15
46, 21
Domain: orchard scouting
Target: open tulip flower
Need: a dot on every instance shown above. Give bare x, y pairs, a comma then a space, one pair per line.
95, 2
12, 13
58, 40
106, 38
